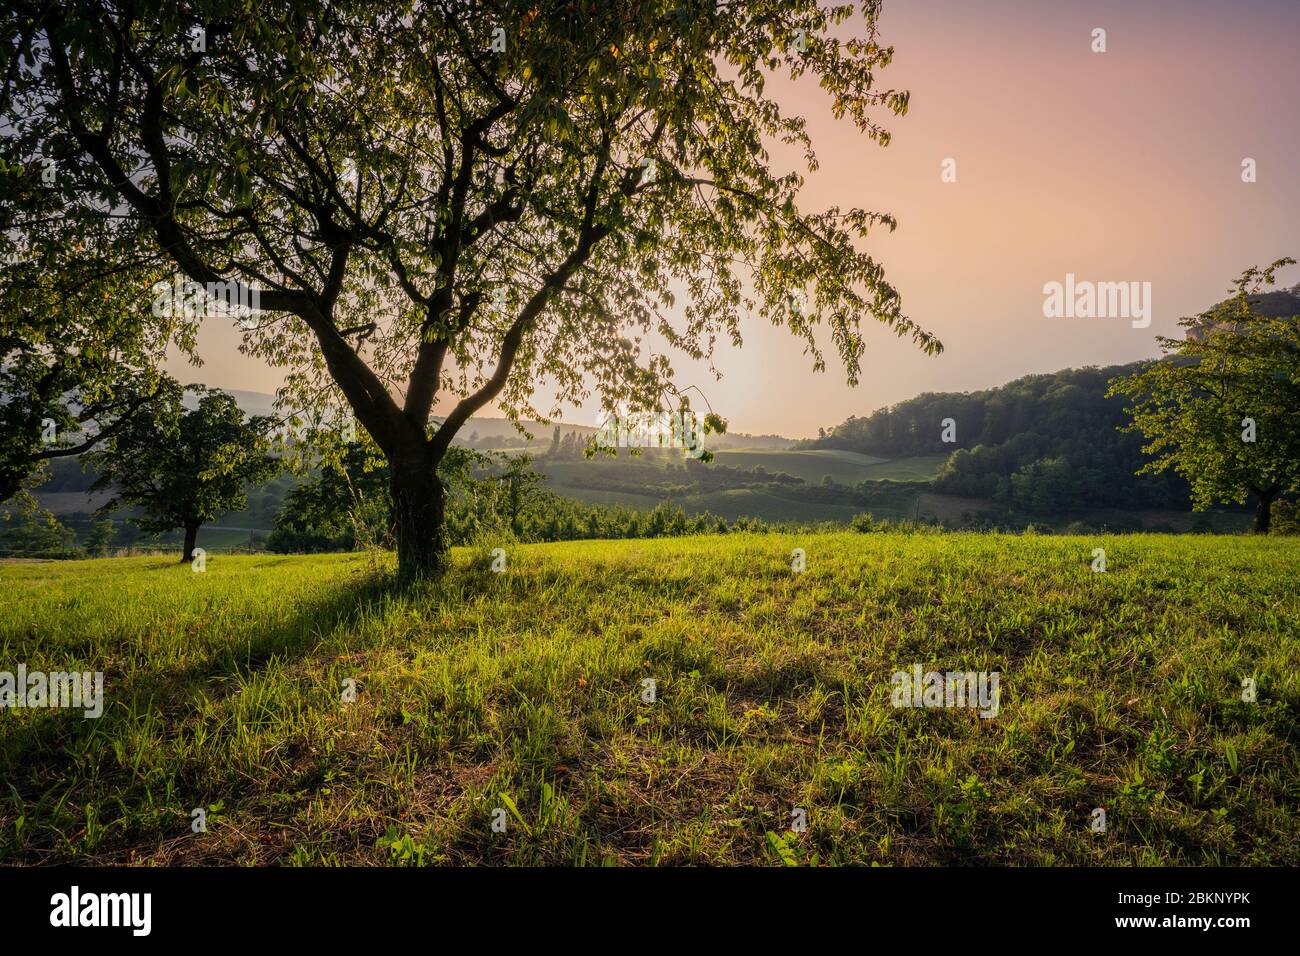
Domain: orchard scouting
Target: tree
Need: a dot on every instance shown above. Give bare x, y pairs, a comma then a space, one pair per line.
518, 482
1220, 407
426, 202
185, 468
100, 538
77, 346
327, 511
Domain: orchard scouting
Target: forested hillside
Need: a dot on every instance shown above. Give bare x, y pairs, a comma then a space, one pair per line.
1043, 443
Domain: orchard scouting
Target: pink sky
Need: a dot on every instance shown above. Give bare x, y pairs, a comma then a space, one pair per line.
1121, 166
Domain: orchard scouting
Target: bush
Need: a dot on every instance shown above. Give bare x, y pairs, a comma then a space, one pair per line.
1286, 517
864, 523
287, 540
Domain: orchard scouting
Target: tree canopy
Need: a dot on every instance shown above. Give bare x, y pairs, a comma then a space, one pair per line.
430, 203
184, 468
79, 344
1220, 408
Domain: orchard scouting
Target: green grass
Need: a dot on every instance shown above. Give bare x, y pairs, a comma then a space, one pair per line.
916, 468
845, 467
521, 691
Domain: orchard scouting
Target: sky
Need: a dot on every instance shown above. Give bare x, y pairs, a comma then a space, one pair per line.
1122, 166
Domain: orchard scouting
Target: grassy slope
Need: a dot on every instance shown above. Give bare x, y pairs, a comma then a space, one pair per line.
917, 468
1119, 690
845, 467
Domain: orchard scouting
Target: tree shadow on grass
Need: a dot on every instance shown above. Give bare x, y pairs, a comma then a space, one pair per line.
44, 751
59, 768
132, 694
340, 609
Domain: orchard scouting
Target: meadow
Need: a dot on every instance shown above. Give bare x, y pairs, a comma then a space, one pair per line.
503, 718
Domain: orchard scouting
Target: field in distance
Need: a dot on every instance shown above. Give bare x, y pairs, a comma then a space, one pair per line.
522, 697
845, 467
651, 477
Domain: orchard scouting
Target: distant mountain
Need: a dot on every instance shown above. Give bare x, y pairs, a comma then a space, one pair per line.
252, 403
1282, 304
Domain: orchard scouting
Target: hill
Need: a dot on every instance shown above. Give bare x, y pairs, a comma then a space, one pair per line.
1043, 444
1278, 304
526, 692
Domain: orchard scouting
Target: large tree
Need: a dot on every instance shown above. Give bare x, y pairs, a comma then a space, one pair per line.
184, 467
450, 202
1220, 407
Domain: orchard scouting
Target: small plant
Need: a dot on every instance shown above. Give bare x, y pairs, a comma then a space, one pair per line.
402, 850
785, 847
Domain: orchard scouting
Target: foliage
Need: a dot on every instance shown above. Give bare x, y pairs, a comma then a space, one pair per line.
78, 346
1220, 408
326, 512
1286, 517
37, 534
1043, 443
100, 538
183, 468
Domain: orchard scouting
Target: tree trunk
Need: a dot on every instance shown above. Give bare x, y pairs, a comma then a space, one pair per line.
1264, 511
191, 538
419, 517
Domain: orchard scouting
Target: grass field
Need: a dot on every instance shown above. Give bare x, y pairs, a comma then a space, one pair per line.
917, 468
845, 467
516, 698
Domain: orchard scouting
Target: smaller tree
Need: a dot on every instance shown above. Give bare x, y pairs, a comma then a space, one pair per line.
344, 503
518, 482
100, 538
1220, 407
182, 468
